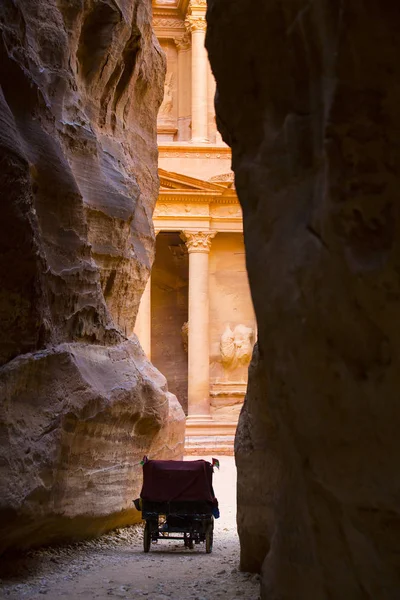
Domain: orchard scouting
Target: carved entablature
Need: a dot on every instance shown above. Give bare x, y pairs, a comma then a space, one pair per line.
190, 204
181, 210
198, 241
166, 22
225, 211
169, 28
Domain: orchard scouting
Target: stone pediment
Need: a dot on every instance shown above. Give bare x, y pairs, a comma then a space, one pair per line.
178, 182
188, 203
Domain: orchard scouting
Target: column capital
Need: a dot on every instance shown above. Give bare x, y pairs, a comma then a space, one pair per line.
182, 42
198, 241
195, 23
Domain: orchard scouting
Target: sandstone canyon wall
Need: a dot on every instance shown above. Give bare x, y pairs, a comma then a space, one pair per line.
81, 83
308, 98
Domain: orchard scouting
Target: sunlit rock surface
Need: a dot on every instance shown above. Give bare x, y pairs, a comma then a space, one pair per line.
308, 97
81, 83
76, 422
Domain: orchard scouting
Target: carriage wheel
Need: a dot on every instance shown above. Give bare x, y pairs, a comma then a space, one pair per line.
209, 538
147, 536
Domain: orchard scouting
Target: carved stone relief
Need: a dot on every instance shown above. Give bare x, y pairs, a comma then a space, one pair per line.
180, 210
168, 23
223, 177
179, 252
168, 114
185, 335
168, 101
228, 211
183, 42
236, 346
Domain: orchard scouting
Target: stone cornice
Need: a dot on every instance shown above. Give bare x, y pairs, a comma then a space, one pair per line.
197, 7
178, 197
187, 150
178, 9
165, 218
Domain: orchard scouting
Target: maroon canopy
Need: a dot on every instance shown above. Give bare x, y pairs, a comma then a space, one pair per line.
168, 480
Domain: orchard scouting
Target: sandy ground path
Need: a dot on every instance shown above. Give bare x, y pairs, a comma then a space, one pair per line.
115, 565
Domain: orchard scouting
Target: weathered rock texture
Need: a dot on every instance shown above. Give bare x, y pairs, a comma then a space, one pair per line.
76, 421
308, 97
81, 83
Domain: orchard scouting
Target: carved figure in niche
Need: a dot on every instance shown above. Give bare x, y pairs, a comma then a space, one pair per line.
168, 101
236, 346
179, 252
185, 336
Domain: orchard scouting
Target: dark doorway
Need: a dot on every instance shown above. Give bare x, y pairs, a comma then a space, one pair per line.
169, 313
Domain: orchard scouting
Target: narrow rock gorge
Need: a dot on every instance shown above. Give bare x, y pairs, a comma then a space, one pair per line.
308, 99
81, 84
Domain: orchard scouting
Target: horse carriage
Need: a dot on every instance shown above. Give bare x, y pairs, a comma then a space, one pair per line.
177, 502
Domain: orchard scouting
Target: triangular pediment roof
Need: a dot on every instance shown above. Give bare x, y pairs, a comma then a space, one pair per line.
178, 181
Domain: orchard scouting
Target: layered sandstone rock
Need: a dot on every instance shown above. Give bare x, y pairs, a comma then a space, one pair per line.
81, 83
308, 97
76, 422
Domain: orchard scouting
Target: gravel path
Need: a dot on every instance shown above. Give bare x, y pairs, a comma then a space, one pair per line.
114, 566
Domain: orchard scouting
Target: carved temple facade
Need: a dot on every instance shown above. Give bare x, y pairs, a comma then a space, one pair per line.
196, 319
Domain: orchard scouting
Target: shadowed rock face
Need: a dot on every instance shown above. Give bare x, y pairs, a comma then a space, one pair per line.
308, 97
81, 83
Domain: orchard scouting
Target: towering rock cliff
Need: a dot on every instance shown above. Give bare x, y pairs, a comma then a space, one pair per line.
81, 83
308, 98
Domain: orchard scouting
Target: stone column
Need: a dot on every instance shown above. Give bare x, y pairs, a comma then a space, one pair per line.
143, 320
198, 245
184, 87
211, 86
196, 23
